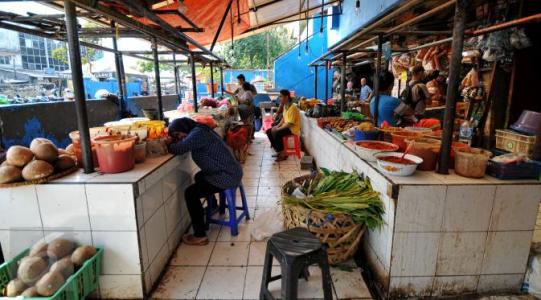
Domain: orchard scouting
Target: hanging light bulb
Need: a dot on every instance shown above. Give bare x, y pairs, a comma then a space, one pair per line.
306, 48
357, 7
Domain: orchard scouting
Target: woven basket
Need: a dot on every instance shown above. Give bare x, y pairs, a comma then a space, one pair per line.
338, 231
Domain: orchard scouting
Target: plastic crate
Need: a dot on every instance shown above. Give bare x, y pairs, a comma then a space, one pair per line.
77, 287
514, 142
524, 170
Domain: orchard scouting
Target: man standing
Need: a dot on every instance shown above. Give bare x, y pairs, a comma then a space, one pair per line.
241, 80
366, 91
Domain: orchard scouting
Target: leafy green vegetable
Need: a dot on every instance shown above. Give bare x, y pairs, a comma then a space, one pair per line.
341, 192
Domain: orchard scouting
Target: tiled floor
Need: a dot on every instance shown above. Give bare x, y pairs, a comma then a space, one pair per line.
231, 267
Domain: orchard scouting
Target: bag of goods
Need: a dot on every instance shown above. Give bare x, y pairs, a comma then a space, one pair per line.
208, 102
237, 138
206, 120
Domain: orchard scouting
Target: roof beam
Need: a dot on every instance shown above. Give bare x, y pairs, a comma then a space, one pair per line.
195, 28
222, 21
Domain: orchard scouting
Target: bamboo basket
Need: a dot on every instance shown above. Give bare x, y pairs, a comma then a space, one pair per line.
338, 231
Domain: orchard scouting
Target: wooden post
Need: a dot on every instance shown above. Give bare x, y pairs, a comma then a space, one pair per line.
452, 88
194, 82
211, 80
376, 79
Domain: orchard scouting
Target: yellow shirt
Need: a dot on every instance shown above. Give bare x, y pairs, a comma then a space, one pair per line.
292, 116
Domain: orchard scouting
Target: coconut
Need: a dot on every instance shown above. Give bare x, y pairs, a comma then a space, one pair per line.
45, 151
64, 162
37, 169
19, 156
9, 174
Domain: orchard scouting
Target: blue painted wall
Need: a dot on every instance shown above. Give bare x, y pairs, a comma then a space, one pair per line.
91, 87
350, 22
291, 71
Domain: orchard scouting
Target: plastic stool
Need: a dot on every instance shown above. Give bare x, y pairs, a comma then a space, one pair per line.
228, 198
295, 249
296, 150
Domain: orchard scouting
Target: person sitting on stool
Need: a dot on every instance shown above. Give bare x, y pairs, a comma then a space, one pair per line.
219, 170
290, 124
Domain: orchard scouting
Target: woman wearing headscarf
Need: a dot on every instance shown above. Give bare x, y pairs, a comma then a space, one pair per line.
219, 169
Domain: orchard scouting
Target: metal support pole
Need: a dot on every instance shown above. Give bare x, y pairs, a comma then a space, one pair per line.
78, 87
452, 88
315, 82
194, 82
343, 84
222, 79
376, 79
175, 73
326, 82
157, 75
119, 74
212, 80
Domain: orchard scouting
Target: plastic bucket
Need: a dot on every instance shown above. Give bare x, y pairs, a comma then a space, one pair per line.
140, 152
399, 139
428, 150
115, 153
366, 135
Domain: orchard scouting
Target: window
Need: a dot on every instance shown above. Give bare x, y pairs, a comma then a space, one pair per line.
5, 60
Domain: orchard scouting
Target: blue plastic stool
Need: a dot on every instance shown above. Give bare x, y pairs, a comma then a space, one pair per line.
228, 198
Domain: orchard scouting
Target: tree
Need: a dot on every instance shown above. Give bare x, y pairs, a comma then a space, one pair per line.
88, 55
257, 51
145, 66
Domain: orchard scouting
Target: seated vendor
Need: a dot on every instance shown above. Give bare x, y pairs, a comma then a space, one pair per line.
219, 169
290, 124
387, 103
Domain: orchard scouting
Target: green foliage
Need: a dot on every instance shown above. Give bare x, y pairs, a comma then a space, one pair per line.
145, 66
88, 55
257, 51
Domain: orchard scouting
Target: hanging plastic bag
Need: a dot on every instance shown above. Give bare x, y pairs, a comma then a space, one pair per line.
269, 222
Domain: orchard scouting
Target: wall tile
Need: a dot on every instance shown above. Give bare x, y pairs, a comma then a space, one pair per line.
121, 255
15, 241
19, 201
509, 283
121, 287
415, 254
63, 206
156, 233
111, 207
158, 265
454, 285
139, 212
461, 253
169, 184
144, 250
403, 287
468, 208
420, 208
507, 252
172, 212
515, 207
152, 199
153, 178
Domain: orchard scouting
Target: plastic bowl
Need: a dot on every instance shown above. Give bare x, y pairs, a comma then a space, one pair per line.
367, 149
528, 122
401, 137
397, 169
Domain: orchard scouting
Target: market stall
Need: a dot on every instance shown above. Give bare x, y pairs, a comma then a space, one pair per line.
443, 234
460, 184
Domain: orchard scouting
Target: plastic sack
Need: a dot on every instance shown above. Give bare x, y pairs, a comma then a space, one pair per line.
532, 281
269, 222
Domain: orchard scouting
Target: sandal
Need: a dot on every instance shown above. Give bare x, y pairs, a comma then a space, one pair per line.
190, 239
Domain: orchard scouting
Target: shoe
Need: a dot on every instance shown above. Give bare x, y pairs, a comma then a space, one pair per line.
190, 239
275, 155
281, 158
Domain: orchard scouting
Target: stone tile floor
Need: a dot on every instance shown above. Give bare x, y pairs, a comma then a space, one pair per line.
231, 267
537, 231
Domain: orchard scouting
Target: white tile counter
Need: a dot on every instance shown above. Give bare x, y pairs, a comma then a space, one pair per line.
443, 234
138, 217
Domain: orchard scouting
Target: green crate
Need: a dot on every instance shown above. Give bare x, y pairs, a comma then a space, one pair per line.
77, 287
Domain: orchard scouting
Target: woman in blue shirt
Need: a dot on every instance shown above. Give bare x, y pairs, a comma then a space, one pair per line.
219, 169
387, 103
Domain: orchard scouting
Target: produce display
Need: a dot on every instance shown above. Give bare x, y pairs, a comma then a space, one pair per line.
47, 267
340, 192
42, 160
306, 104
341, 125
